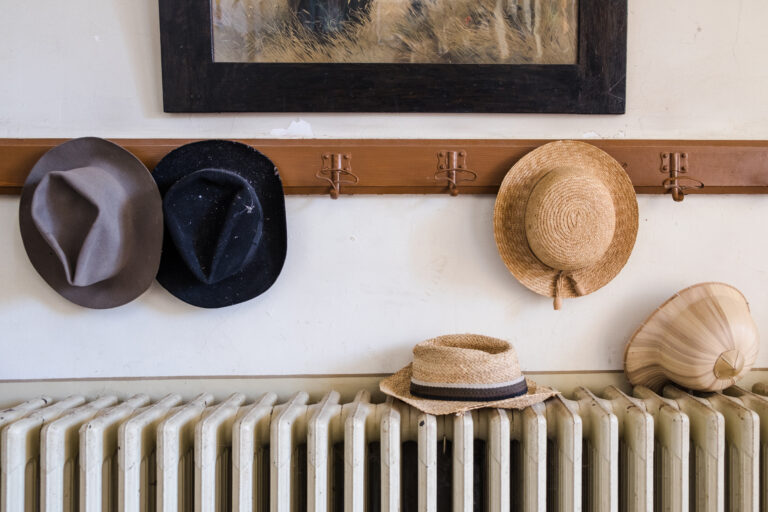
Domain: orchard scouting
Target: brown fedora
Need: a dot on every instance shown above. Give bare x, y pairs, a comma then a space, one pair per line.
565, 219
461, 372
702, 338
91, 222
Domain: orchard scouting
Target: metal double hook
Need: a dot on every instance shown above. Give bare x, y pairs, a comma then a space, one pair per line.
452, 167
335, 166
673, 186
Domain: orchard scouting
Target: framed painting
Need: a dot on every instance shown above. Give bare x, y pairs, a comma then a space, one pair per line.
482, 56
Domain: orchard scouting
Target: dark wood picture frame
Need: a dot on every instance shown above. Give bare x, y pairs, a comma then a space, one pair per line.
193, 82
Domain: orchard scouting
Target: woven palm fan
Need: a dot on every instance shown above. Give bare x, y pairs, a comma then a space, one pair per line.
703, 338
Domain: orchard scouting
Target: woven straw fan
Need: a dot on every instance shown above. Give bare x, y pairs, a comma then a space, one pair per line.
703, 338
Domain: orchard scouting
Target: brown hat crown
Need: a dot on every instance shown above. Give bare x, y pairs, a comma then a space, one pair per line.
81, 213
703, 338
569, 219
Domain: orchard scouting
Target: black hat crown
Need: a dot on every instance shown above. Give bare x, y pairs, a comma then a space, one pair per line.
215, 220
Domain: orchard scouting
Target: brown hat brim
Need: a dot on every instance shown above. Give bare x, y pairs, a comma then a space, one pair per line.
141, 267
509, 216
399, 386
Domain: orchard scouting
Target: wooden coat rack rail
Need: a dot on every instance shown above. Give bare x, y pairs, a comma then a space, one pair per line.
467, 166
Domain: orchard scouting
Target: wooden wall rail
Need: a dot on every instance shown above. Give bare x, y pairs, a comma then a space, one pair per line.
409, 165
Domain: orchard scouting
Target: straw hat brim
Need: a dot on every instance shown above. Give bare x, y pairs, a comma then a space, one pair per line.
399, 386
641, 360
509, 216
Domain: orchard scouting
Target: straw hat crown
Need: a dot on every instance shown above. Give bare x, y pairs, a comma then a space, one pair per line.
703, 338
569, 219
465, 359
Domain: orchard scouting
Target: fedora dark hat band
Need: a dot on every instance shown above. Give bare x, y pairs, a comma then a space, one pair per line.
469, 392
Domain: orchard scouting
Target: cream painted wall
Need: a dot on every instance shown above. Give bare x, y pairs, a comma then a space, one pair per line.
367, 277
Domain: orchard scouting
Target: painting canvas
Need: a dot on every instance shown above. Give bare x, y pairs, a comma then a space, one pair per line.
396, 31
481, 56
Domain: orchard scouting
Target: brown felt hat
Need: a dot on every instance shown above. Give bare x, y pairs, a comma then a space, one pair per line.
461, 372
702, 338
91, 222
565, 219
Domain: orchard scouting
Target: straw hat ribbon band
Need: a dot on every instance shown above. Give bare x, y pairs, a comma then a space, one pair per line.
461, 392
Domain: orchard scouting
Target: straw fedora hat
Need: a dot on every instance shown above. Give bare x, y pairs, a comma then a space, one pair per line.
703, 338
565, 219
461, 372
225, 228
92, 224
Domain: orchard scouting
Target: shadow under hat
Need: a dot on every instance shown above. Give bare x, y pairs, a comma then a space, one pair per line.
225, 228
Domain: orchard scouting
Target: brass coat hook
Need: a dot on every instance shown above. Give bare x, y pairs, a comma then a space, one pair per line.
674, 165
335, 166
452, 167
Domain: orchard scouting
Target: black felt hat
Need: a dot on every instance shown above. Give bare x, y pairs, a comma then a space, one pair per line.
225, 234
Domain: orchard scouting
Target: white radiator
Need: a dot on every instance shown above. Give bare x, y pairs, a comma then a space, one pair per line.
596, 451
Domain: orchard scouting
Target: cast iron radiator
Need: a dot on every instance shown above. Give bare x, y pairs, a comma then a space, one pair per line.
610, 452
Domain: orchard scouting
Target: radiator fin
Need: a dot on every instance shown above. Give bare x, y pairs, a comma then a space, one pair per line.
759, 405
137, 456
20, 456
707, 451
98, 455
671, 435
250, 469
175, 457
59, 450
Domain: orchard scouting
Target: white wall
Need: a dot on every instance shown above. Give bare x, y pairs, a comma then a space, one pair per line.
368, 277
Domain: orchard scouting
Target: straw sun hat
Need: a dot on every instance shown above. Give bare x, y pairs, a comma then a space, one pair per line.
457, 373
565, 219
703, 338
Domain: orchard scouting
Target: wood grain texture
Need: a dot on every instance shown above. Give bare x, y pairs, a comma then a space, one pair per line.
408, 166
193, 82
